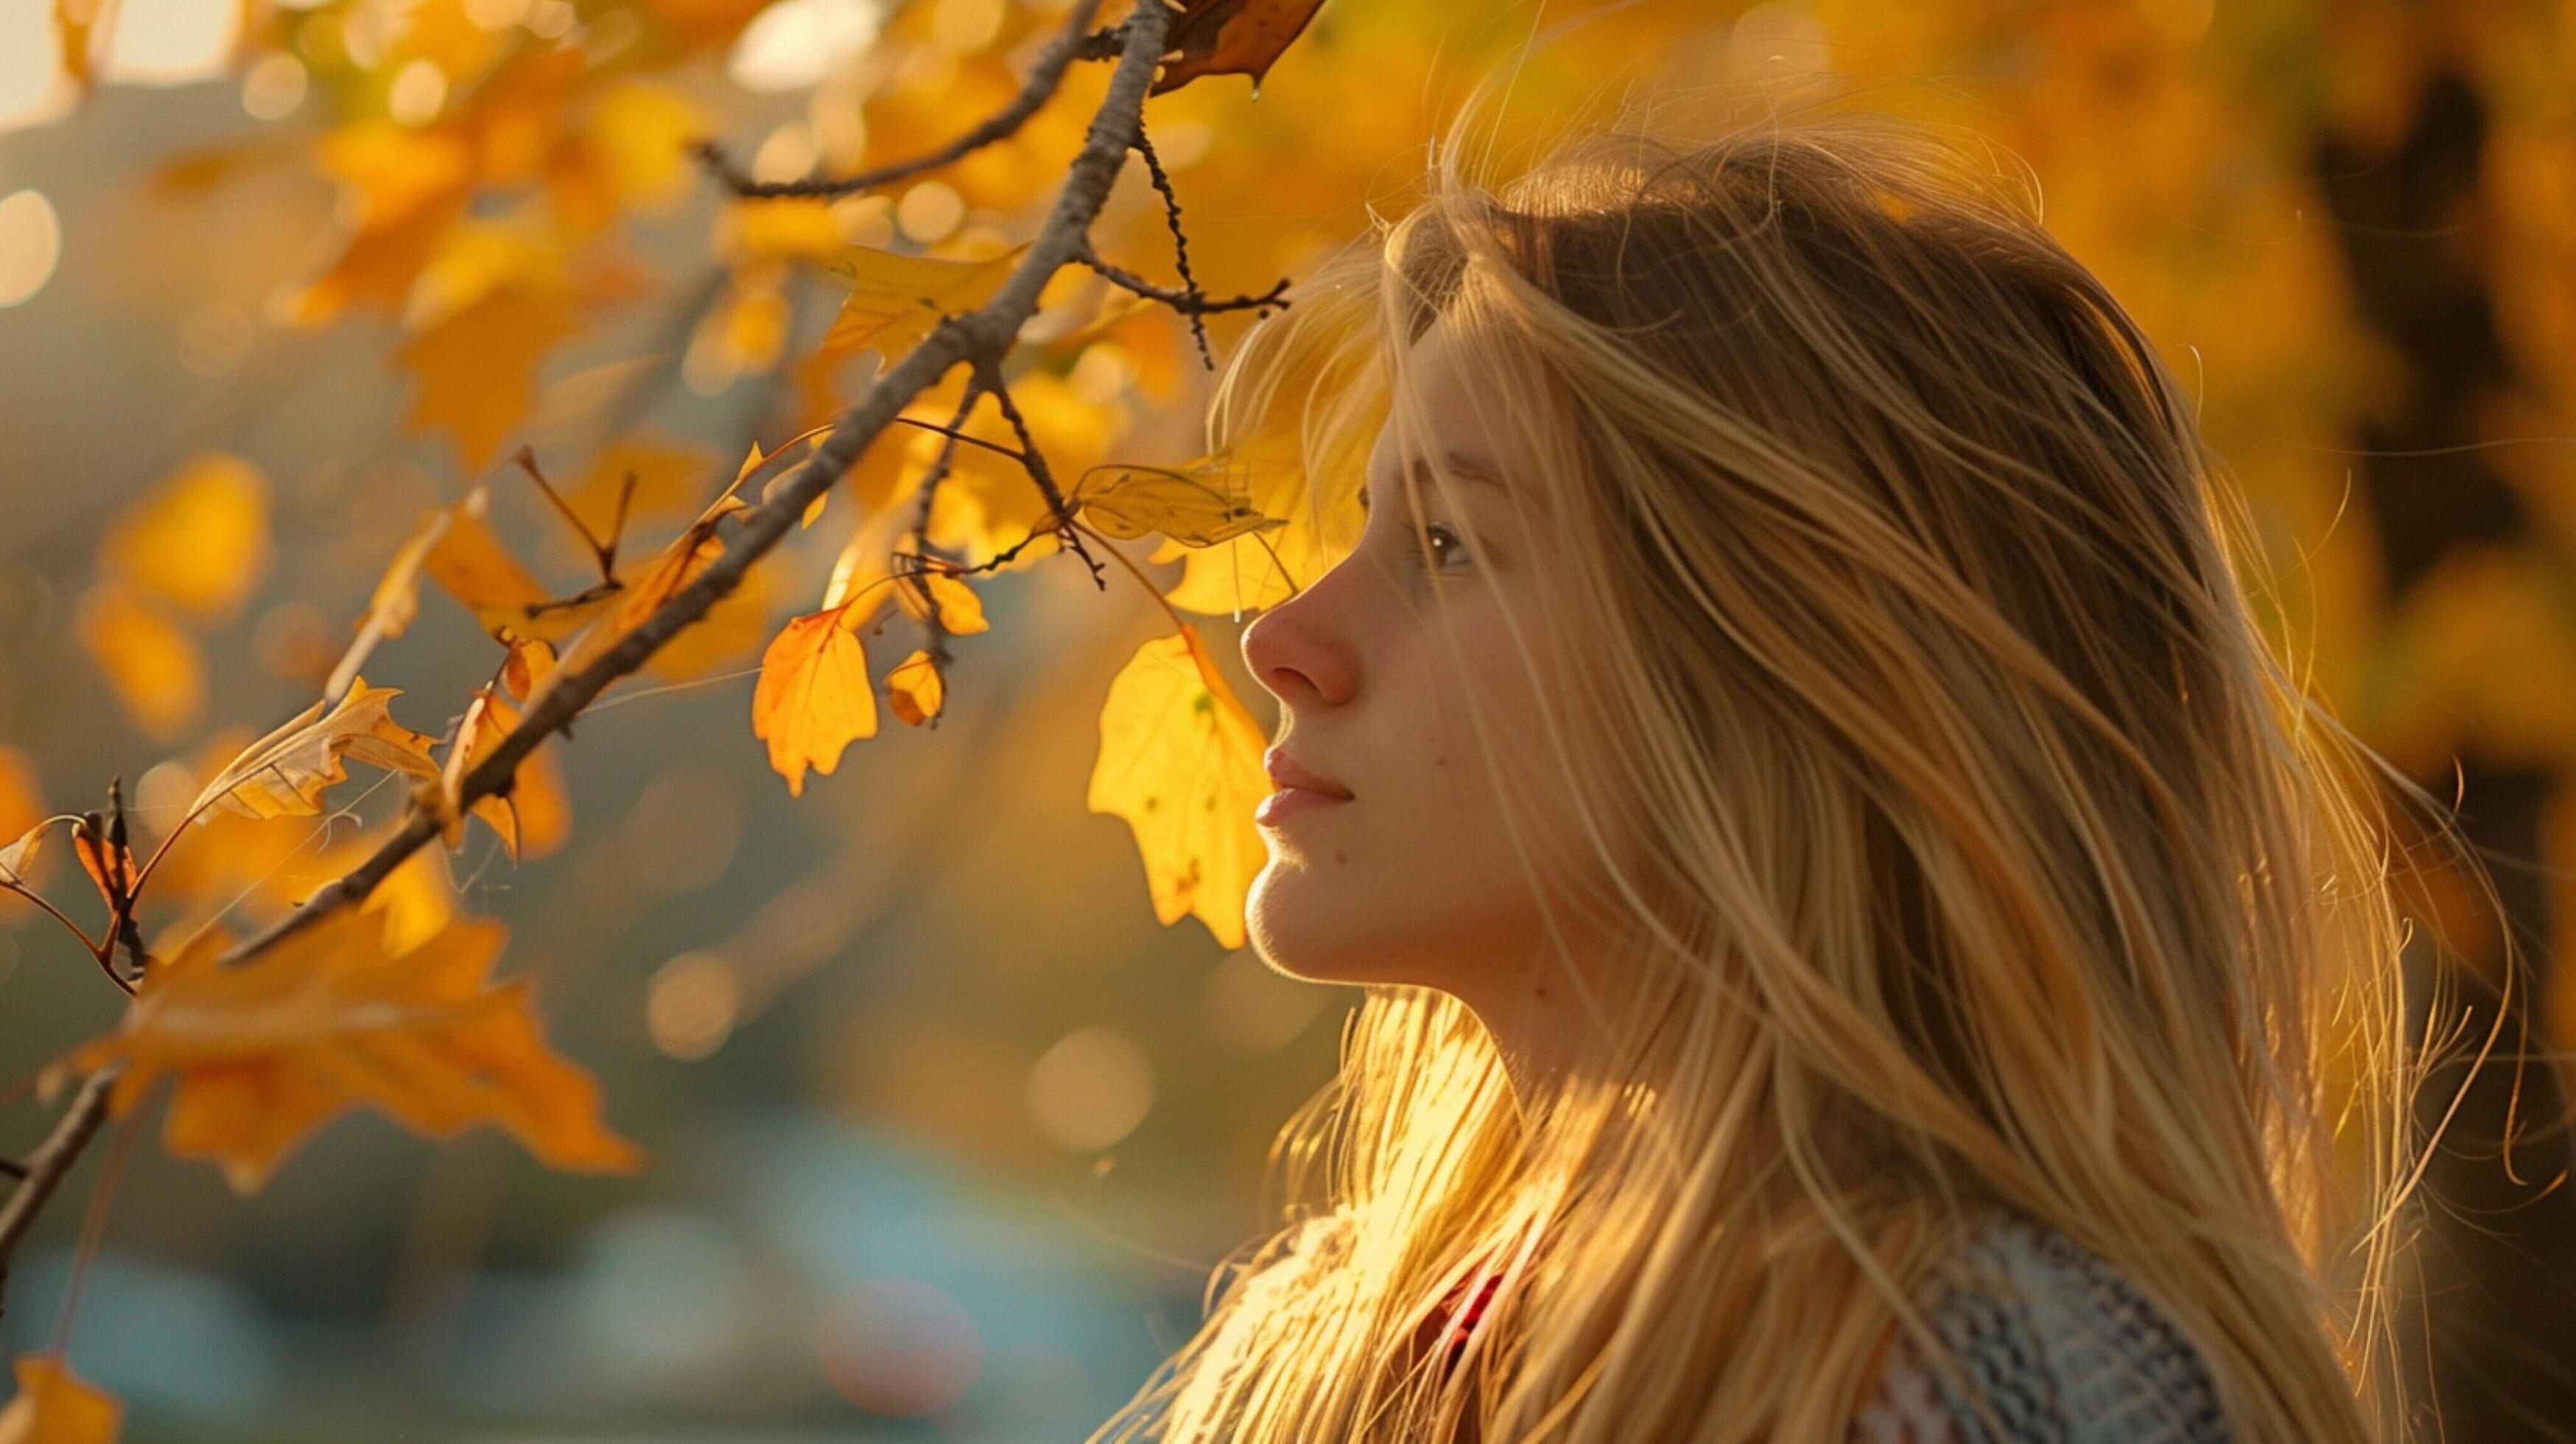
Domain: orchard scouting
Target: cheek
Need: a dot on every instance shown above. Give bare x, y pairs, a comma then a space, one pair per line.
1420, 877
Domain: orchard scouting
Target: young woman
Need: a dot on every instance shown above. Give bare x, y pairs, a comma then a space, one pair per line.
1862, 937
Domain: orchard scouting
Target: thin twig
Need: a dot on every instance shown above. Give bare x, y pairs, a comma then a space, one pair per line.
1185, 301
1180, 246
987, 331
1045, 73
52, 1160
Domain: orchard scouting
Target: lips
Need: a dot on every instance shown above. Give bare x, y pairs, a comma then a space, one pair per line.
1287, 771
1300, 789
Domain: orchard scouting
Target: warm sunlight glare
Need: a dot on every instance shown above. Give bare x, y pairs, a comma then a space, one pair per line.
795, 43
33, 87
172, 42
31, 241
1090, 1090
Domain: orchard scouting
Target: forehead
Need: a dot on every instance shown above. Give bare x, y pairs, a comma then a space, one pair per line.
1441, 371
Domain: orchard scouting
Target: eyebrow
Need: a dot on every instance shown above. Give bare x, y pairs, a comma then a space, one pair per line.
1468, 468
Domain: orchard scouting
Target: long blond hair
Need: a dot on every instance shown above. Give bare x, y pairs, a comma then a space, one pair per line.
1970, 845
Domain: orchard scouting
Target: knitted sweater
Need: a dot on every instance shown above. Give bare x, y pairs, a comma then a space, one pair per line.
2058, 1341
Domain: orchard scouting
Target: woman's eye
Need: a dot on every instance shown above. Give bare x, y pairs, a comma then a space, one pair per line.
1440, 545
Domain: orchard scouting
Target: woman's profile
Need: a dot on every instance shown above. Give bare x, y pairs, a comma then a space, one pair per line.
1864, 935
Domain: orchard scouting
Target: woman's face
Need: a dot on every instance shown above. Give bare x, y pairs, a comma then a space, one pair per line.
1413, 876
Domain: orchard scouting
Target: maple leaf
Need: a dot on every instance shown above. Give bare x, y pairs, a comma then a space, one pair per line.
477, 367
56, 1406
914, 691
813, 697
284, 773
1199, 504
1232, 37
267, 1051
1180, 760
199, 540
895, 299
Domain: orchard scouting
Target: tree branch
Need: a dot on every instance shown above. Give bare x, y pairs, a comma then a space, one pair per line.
1044, 76
50, 1163
987, 332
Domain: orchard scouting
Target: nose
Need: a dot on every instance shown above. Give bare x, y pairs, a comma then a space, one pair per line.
1299, 654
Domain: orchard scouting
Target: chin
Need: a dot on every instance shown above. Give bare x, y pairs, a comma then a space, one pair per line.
1336, 928
1308, 927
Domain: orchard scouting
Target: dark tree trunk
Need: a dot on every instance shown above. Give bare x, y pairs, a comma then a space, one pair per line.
2494, 1337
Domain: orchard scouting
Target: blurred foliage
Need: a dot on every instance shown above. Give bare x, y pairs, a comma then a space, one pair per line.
2351, 225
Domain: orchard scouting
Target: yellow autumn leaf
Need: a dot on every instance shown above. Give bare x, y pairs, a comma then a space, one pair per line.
914, 691
402, 187
199, 540
470, 563
154, 668
961, 610
330, 1017
1265, 567
813, 698
728, 633
617, 609
476, 368
1180, 760
1198, 504
284, 773
56, 1406
895, 300
667, 480
638, 133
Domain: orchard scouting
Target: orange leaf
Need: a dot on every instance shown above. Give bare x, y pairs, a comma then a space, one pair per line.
1180, 759
961, 611
533, 818
267, 1051
472, 565
56, 1406
1232, 37
155, 669
22, 800
813, 698
914, 691
284, 773
199, 540
477, 368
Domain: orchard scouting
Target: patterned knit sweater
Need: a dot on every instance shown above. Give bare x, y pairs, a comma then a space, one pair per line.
2057, 1340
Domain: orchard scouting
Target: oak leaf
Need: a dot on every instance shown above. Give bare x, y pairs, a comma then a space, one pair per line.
813, 698
1180, 760
266, 1051
284, 773
56, 1406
